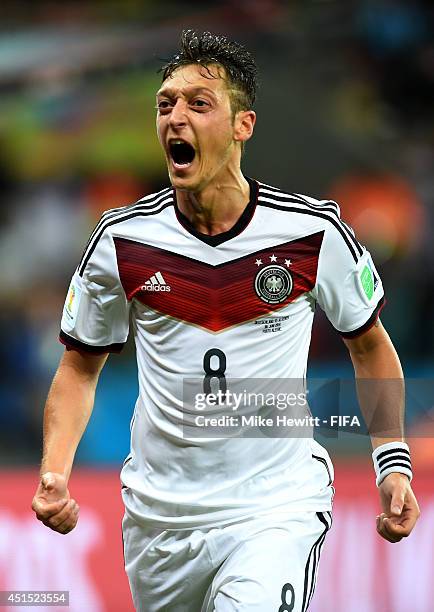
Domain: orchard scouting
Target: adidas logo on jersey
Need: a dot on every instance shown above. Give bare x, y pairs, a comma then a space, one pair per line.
155, 283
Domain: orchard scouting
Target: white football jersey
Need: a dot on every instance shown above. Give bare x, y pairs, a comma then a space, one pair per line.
238, 305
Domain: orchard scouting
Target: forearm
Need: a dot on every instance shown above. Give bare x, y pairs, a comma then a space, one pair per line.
67, 412
380, 386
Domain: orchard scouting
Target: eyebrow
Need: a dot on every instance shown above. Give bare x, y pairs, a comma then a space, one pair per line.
170, 92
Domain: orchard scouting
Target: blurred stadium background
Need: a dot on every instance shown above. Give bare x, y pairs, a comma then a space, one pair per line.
345, 110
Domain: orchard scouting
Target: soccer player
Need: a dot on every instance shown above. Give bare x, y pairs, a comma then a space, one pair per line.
219, 275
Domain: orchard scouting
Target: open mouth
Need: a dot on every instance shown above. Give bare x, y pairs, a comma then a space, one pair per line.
181, 152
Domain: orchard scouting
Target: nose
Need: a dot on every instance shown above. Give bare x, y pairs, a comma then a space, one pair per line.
178, 117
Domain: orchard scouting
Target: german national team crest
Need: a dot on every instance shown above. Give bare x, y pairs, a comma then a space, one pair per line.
273, 284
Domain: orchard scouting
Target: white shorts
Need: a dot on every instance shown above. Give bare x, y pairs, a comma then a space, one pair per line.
266, 564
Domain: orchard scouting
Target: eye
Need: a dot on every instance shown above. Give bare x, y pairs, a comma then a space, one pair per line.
199, 103
163, 105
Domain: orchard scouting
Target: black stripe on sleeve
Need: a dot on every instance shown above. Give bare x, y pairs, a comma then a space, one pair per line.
292, 199
325, 206
150, 201
307, 211
120, 219
73, 343
369, 323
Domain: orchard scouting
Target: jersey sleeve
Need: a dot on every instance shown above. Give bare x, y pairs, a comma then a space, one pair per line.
348, 287
96, 312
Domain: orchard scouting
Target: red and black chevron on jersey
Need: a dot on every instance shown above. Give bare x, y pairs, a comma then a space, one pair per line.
241, 304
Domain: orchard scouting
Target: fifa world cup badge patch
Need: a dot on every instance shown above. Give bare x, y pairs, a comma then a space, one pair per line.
72, 301
273, 284
368, 281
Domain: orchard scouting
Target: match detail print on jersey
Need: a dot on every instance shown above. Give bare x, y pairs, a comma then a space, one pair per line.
218, 297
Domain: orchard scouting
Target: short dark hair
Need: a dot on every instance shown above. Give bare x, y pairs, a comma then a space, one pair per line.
207, 49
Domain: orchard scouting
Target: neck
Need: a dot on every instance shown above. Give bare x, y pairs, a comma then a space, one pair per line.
218, 206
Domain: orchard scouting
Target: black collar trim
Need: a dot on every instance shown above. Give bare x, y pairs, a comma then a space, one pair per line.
235, 230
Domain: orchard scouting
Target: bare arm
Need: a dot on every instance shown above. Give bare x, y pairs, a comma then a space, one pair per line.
380, 384
68, 408
67, 411
381, 396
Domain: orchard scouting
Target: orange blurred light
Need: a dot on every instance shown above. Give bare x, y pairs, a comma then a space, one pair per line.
384, 211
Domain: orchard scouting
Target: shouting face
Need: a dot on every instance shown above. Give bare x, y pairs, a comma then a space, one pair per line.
197, 128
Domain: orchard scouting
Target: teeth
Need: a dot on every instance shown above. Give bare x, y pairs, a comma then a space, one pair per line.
178, 142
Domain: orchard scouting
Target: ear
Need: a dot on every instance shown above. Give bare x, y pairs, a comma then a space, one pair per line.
243, 125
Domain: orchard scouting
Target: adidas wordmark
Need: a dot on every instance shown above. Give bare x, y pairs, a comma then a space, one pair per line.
156, 283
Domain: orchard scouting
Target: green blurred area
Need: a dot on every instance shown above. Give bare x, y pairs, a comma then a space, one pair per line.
86, 129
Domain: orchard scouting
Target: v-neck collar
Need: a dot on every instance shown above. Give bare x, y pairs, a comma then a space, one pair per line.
239, 226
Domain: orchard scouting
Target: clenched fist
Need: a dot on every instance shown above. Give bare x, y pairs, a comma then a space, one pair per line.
53, 504
400, 508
